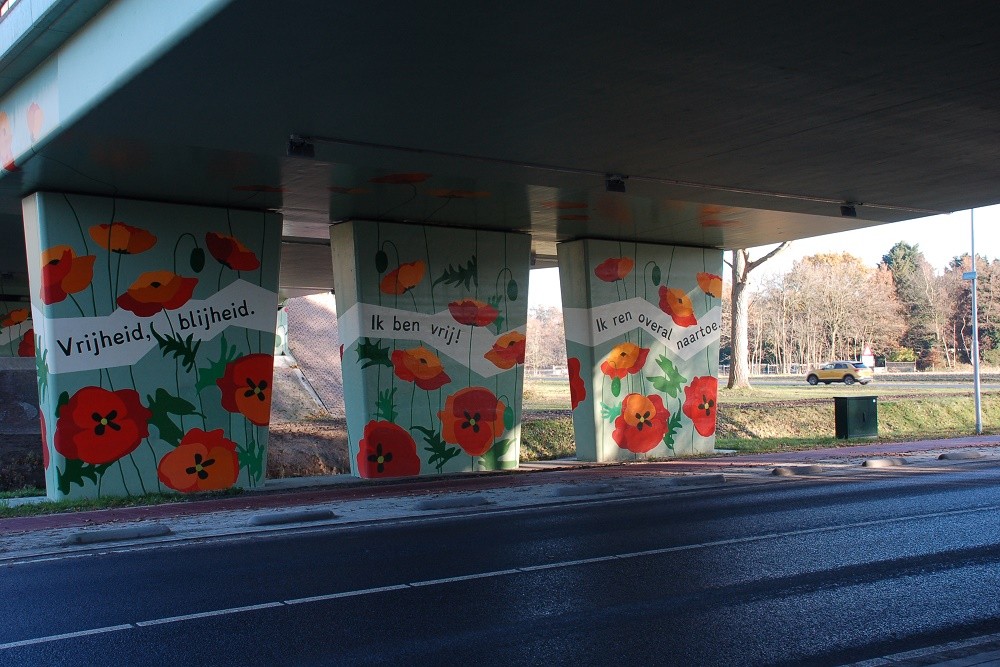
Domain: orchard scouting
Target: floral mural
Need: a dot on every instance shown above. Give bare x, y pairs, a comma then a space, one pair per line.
642, 328
154, 362
437, 354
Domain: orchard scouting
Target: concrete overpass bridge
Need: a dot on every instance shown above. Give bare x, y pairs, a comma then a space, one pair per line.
172, 169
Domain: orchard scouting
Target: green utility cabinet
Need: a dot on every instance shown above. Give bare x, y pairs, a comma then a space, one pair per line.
856, 416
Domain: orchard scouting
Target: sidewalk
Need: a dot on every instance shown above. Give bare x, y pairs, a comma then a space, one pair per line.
538, 480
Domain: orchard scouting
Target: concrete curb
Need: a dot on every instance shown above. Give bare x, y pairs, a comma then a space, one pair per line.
118, 534
295, 516
960, 456
453, 503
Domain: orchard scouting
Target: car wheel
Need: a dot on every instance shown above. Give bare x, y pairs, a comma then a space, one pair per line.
848, 379
813, 380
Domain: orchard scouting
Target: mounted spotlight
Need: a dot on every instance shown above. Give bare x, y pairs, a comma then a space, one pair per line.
300, 147
848, 210
614, 182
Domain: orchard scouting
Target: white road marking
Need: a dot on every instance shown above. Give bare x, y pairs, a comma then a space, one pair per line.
347, 594
498, 573
66, 635
206, 614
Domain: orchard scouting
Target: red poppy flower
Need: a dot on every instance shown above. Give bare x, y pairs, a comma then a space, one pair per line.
401, 179
202, 461
404, 278
100, 426
710, 284
387, 450
420, 366
246, 387
15, 317
701, 403
642, 423
507, 351
340, 190
624, 359
577, 388
121, 238
45, 441
154, 291
472, 419
230, 252
26, 348
678, 306
614, 268
474, 313
64, 273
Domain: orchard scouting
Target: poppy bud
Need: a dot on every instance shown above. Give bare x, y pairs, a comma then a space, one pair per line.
656, 274
381, 261
512, 290
197, 260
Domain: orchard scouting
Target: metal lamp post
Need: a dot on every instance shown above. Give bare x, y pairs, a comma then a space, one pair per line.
971, 275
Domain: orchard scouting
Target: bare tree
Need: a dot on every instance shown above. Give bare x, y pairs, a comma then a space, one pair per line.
739, 366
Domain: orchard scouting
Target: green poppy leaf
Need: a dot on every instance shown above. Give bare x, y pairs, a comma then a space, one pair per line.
381, 261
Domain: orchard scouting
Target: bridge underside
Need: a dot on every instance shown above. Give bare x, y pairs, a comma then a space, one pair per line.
734, 128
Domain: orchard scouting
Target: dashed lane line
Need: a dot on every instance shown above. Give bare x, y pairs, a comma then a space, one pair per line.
494, 574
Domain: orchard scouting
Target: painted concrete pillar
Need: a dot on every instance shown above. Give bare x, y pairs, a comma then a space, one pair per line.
154, 339
432, 322
642, 336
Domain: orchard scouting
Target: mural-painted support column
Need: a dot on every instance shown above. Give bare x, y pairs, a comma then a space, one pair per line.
642, 336
154, 334
432, 321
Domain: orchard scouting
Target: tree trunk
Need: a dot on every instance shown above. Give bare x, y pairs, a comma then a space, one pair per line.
739, 364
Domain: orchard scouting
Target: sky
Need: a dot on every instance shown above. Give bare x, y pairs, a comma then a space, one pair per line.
939, 237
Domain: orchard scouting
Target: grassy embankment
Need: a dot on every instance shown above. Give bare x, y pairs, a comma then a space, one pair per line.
772, 419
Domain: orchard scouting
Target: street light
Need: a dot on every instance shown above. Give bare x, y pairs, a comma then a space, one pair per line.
971, 275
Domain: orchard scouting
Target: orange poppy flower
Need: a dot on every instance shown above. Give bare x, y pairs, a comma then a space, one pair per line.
472, 312
577, 389
614, 268
26, 348
677, 305
100, 426
710, 284
508, 350
121, 238
401, 179
624, 359
472, 419
701, 404
36, 118
230, 252
387, 450
154, 291
404, 278
64, 273
15, 317
202, 461
420, 366
246, 387
642, 423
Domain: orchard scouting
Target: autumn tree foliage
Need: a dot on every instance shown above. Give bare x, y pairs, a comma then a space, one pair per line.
546, 344
828, 306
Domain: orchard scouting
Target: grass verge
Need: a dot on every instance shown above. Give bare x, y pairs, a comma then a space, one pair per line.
89, 504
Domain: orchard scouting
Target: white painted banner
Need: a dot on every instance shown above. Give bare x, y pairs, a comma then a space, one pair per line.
593, 326
461, 342
123, 338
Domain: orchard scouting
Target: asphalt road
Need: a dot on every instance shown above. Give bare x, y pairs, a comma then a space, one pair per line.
804, 571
